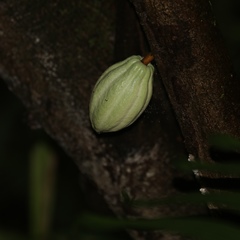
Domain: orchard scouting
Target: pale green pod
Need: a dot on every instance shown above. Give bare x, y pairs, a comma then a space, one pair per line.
121, 94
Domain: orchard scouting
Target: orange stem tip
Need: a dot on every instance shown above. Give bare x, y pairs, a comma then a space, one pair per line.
147, 59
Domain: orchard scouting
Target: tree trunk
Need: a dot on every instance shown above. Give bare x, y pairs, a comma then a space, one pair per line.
195, 69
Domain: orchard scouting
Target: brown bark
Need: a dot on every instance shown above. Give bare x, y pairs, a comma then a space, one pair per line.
52, 54
195, 69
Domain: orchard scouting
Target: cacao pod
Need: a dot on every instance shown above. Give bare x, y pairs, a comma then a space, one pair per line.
121, 94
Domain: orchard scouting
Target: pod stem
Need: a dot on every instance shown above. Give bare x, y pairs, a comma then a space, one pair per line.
147, 59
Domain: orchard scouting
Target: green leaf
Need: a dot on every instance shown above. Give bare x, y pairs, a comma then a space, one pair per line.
224, 142
197, 228
42, 178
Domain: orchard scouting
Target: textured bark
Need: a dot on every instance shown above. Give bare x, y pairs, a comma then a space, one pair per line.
52, 53
195, 69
